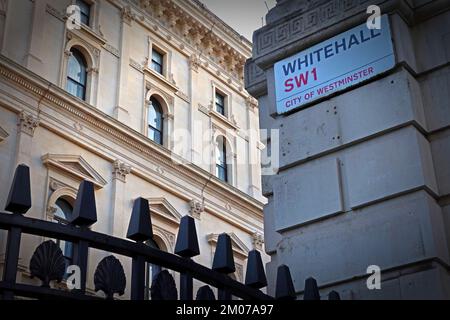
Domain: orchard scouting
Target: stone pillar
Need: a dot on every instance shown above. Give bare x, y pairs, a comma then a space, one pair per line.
119, 224
26, 126
253, 156
363, 173
121, 111
34, 55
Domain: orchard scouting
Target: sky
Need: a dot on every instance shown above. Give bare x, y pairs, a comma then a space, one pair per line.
242, 15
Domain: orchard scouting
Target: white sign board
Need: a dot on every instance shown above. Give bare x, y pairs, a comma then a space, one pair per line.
333, 65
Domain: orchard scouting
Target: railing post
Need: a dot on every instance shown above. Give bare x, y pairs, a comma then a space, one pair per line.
84, 215
285, 288
139, 230
18, 202
333, 295
311, 290
187, 247
255, 276
224, 262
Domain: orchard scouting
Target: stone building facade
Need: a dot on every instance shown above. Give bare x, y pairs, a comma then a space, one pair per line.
364, 174
143, 98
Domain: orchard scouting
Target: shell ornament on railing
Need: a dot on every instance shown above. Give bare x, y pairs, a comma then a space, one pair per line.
47, 263
109, 277
205, 293
164, 287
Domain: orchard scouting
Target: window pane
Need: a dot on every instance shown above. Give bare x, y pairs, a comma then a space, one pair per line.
77, 68
157, 67
77, 75
64, 212
221, 173
85, 11
63, 209
220, 99
157, 57
220, 103
221, 160
76, 89
155, 135
155, 114
157, 61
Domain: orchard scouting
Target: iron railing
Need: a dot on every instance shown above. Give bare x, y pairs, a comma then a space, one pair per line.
48, 264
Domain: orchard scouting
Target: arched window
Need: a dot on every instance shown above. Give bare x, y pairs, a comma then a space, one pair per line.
221, 160
77, 74
155, 121
63, 215
152, 270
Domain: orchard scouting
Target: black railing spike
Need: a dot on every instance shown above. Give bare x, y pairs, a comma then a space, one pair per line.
223, 257
140, 227
311, 290
19, 197
205, 293
255, 276
187, 241
284, 288
333, 295
85, 211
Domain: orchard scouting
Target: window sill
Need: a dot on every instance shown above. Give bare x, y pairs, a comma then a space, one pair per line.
160, 77
91, 34
223, 119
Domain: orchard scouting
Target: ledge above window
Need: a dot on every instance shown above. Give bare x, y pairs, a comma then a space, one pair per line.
163, 80
224, 120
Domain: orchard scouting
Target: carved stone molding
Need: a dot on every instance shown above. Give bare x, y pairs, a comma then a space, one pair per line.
257, 241
51, 210
251, 103
74, 166
3, 134
253, 74
27, 123
52, 11
166, 236
181, 22
194, 62
114, 51
120, 170
196, 208
309, 20
127, 15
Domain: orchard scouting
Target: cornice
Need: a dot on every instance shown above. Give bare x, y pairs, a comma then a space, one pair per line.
123, 135
185, 26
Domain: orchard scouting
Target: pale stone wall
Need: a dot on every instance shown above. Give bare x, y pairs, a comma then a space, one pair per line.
65, 140
363, 175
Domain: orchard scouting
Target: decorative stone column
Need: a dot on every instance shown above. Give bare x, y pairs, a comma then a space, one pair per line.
120, 111
26, 126
257, 241
253, 154
118, 223
196, 209
34, 55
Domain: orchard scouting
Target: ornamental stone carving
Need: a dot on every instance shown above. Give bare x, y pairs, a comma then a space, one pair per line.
196, 208
27, 123
257, 240
127, 15
120, 170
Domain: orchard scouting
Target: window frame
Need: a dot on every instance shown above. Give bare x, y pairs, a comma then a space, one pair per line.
224, 165
74, 53
89, 5
151, 128
161, 64
67, 244
217, 104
